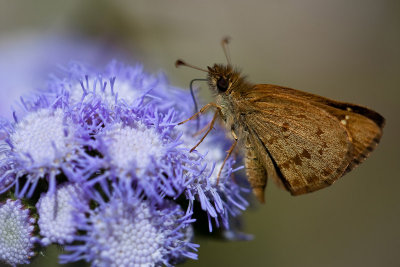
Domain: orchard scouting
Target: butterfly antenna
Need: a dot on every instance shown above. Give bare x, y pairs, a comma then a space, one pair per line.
224, 44
180, 62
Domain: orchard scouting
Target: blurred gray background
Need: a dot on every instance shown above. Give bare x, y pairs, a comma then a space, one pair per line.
341, 49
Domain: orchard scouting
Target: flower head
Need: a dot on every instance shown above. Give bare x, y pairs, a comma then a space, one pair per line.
42, 143
40, 137
17, 240
142, 147
127, 230
57, 214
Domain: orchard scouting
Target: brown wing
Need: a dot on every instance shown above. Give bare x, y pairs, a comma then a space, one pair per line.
363, 125
308, 146
256, 173
256, 168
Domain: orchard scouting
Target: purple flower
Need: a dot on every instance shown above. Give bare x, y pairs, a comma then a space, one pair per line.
125, 229
57, 214
144, 152
43, 142
17, 240
102, 156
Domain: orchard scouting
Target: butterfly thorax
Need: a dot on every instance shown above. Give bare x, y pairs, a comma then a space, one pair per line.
228, 85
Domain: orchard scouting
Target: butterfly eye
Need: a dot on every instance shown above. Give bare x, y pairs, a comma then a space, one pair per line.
222, 84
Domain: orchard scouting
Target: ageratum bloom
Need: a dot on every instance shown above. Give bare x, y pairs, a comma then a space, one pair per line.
127, 230
44, 141
111, 172
17, 240
57, 214
142, 148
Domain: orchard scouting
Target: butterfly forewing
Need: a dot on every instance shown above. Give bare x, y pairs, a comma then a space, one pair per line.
363, 124
309, 147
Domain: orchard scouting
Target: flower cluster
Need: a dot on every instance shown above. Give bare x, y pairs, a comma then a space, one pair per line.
99, 159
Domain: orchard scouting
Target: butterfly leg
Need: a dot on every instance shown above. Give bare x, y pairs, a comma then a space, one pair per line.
203, 109
205, 128
208, 131
228, 155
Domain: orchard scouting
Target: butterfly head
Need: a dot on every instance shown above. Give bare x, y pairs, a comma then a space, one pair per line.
223, 78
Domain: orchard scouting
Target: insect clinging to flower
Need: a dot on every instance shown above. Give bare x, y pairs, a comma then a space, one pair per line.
303, 141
